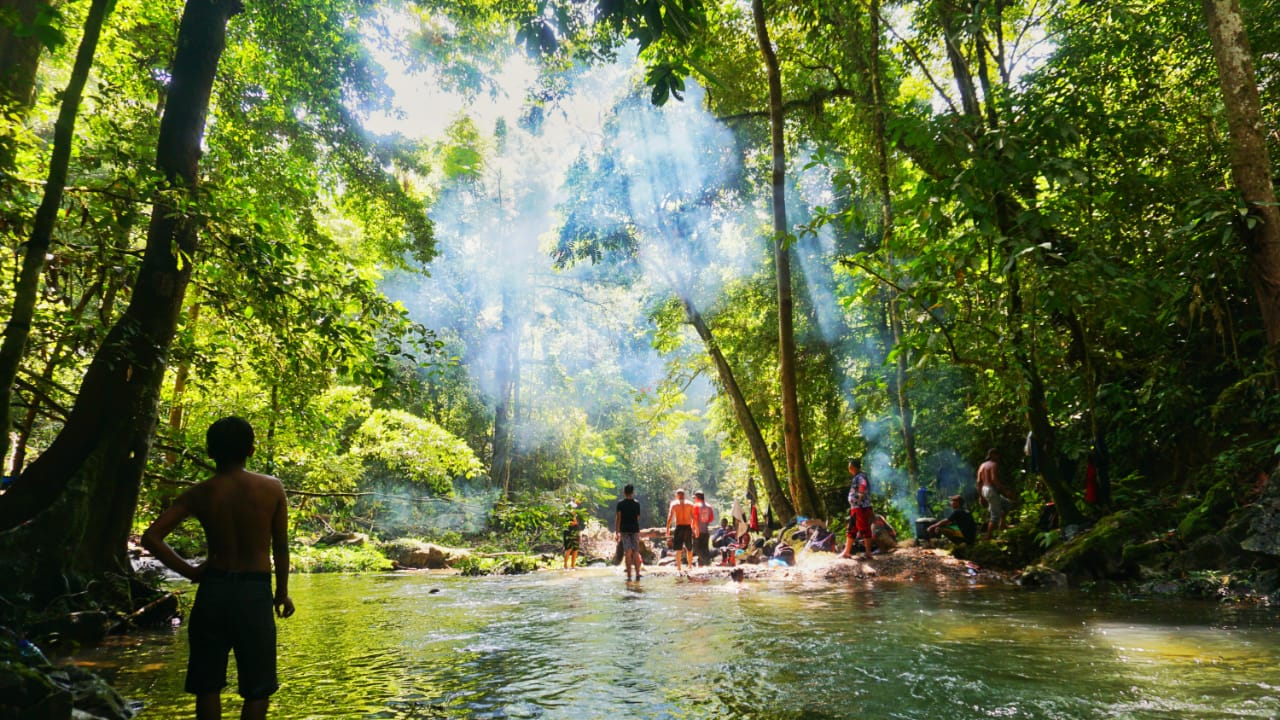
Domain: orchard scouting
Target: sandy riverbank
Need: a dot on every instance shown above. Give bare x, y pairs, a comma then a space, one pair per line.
905, 564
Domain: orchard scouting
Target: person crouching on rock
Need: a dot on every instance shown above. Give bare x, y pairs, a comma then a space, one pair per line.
958, 526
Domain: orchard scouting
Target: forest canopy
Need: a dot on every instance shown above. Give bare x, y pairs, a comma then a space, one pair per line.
460, 262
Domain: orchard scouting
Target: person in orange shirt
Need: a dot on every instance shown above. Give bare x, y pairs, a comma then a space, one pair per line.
681, 515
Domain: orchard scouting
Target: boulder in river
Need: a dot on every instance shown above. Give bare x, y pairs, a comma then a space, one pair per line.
411, 553
343, 538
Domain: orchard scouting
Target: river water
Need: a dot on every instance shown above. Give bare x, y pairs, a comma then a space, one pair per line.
586, 644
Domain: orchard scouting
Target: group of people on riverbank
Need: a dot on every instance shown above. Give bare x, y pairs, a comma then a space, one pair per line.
690, 536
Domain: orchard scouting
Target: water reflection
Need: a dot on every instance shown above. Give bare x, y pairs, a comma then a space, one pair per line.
587, 644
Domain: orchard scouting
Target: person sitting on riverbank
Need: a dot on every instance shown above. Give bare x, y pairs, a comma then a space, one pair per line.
739, 544
243, 514
958, 526
723, 535
783, 555
884, 537
821, 540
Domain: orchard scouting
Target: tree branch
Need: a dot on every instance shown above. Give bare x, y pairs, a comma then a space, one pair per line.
850, 262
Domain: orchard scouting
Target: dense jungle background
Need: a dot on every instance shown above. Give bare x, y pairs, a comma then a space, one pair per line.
461, 262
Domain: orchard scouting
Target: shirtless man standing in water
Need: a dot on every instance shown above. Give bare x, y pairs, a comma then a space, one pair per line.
243, 515
681, 515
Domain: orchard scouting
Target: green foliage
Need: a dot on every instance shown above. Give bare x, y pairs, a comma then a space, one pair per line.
355, 558
397, 445
1048, 538
526, 525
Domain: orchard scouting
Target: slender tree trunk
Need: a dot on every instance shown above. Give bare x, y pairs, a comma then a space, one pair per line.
27, 291
1037, 402
898, 382
503, 412
1250, 161
60, 350
75, 503
272, 424
176, 408
803, 494
778, 499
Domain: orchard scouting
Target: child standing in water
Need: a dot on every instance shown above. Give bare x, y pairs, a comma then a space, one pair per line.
572, 537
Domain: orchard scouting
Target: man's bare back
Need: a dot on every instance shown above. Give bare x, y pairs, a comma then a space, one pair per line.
243, 514
239, 512
245, 518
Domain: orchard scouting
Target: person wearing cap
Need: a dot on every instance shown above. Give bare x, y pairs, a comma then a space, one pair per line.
681, 515
959, 525
861, 515
704, 514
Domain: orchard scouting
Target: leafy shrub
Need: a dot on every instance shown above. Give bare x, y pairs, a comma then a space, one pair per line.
350, 558
526, 525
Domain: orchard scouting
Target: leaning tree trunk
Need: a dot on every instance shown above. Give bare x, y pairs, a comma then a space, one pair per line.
75, 503
803, 494
27, 290
778, 499
1250, 162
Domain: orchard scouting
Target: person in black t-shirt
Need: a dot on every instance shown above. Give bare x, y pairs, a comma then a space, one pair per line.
626, 528
959, 526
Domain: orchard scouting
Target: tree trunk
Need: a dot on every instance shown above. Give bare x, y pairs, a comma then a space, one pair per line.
176, 409
503, 411
61, 349
76, 502
1250, 162
803, 494
897, 384
27, 289
19, 61
778, 499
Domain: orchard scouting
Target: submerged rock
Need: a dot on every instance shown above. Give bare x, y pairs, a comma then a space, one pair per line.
1039, 576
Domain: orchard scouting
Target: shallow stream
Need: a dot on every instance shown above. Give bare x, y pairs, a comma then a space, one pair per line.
586, 644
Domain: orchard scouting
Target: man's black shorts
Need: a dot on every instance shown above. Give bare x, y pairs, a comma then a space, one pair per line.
682, 539
233, 612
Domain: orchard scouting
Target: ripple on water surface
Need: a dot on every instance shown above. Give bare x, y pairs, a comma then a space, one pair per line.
586, 644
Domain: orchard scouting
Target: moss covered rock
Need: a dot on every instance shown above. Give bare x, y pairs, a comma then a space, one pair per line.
1260, 522
1098, 553
1209, 515
411, 553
